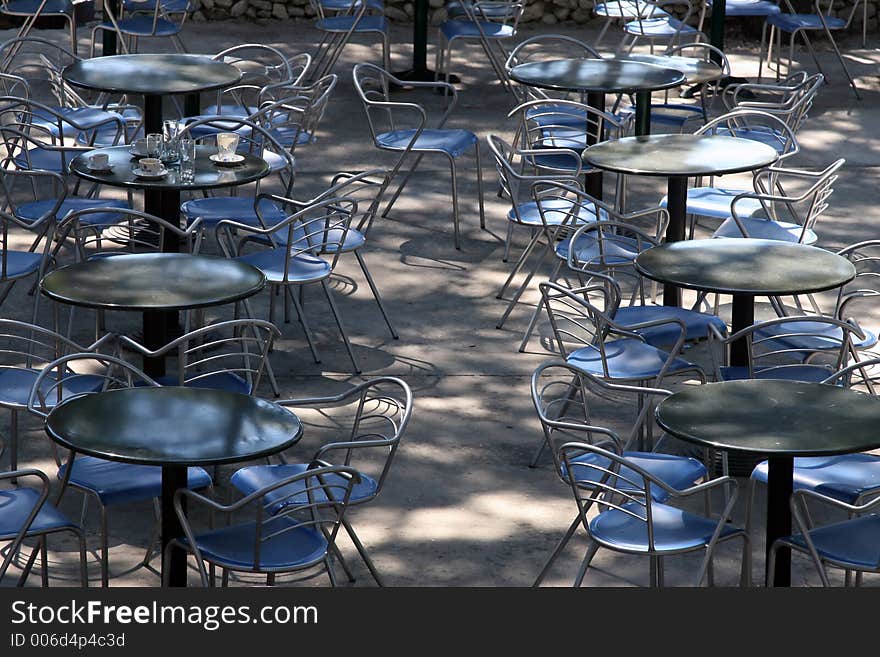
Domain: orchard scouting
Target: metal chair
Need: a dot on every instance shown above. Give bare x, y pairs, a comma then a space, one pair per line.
658, 25
338, 29
781, 216
800, 348
822, 19
573, 406
623, 11
302, 249
298, 538
403, 128
368, 423
631, 521
750, 8
25, 513
110, 483
152, 20
545, 47
33, 10
491, 22
592, 342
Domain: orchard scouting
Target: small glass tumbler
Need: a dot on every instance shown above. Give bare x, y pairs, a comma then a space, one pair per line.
154, 144
187, 158
170, 132
227, 142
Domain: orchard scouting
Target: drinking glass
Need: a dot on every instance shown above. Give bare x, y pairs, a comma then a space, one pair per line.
187, 153
154, 144
227, 142
170, 130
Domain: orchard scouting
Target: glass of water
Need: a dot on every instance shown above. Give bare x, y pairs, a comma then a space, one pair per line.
187, 158
170, 130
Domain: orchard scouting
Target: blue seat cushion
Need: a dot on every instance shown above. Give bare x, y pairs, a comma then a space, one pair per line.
22, 263
50, 160
16, 505
855, 541
810, 336
454, 9
626, 358
303, 268
29, 7
626, 9
766, 229
238, 208
658, 27
558, 115
451, 141
676, 471
556, 211
120, 483
229, 381
674, 529
763, 134
715, 202
170, 6
253, 478
345, 5
696, 324
87, 118
142, 25
615, 251
793, 22
230, 109
845, 477
16, 384
332, 239
468, 29
233, 547
368, 23
36, 209
750, 8
560, 162
674, 114
797, 372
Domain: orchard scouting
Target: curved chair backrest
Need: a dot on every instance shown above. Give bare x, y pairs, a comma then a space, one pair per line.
367, 188
28, 127
292, 113
791, 103
545, 47
863, 375
753, 123
861, 292
366, 423
261, 66
108, 231
236, 349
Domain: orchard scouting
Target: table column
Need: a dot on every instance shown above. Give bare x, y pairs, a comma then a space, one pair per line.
643, 113
742, 316
779, 488
676, 205
173, 478
593, 179
108, 38
716, 28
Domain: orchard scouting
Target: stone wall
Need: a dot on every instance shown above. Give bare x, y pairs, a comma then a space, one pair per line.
547, 11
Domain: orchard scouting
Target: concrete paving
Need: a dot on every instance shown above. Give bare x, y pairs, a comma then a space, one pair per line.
461, 507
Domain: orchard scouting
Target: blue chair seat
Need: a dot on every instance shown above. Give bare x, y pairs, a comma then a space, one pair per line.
87, 118
120, 483
762, 134
253, 478
715, 202
233, 547
796, 372
29, 7
674, 114
451, 141
454, 9
794, 22
560, 162
16, 384
50, 160
303, 268
238, 208
228, 381
170, 6
817, 336
22, 263
468, 29
556, 211
696, 324
676, 471
766, 229
369, 23
625, 9
16, 505
619, 251
36, 209
345, 5
561, 115
354, 239
855, 541
846, 477
142, 25
626, 358
287, 134
660, 26
734, 8
674, 529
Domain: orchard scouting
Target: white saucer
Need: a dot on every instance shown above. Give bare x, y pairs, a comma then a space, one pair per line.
233, 161
106, 169
140, 173
134, 151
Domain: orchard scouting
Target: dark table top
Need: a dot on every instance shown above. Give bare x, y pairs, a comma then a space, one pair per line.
604, 75
173, 426
774, 417
745, 266
153, 281
694, 69
151, 74
680, 155
207, 175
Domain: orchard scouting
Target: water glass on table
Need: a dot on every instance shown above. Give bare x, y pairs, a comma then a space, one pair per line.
170, 132
227, 143
154, 144
187, 158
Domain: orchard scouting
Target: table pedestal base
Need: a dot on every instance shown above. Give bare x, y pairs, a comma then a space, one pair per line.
779, 491
676, 205
173, 478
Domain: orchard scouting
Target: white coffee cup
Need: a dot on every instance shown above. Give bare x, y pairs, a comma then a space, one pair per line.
140, 145
99, 160
150, 165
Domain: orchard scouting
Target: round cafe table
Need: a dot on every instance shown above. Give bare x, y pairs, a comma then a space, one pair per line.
744, 268
694, 69
597, 77
677, 158
779, 420
154, 284
153, 76
174, 428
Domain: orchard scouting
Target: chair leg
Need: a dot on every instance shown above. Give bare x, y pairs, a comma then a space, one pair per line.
83, 563
400, 187
557, 550
537, 313
455, 213
479, 186
363, 552
105, 550
514, 300
335, 310
375, 291
44, 562
588, 557
306, 329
